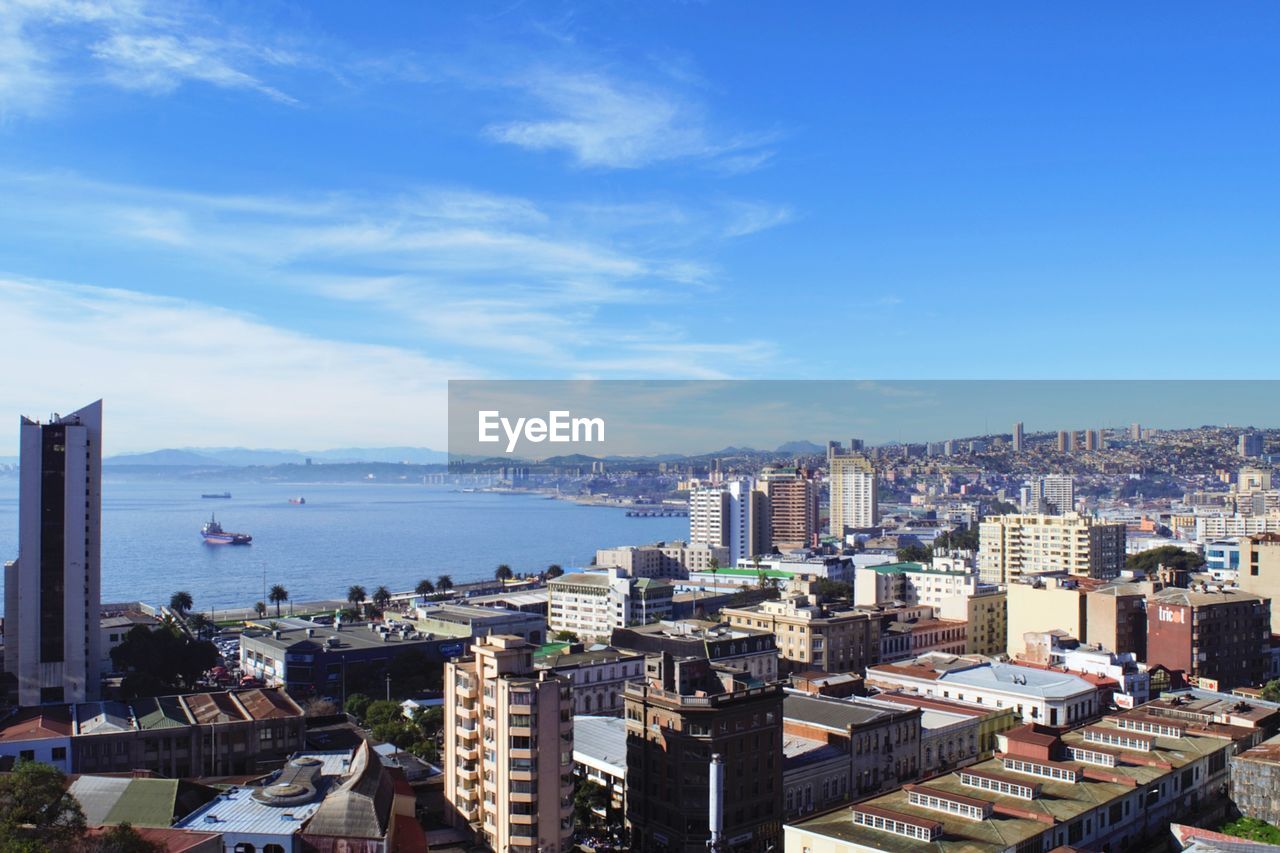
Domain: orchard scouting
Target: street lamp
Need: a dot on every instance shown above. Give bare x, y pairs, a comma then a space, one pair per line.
388, 687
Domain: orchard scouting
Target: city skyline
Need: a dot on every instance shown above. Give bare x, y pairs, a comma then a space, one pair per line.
334, 213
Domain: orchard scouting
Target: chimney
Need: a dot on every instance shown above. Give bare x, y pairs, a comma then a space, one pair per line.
715, 810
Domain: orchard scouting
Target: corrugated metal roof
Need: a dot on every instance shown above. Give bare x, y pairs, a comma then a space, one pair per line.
97, 795
602, 740
213, 708
164, 712
94, 718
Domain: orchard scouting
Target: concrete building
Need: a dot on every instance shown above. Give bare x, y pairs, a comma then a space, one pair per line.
752, 651
811, 635
944, 743
791, 506
1014, 545
912, 583
1052, 494
1043, 696
600, 755
1018, 437
53, 590
985, 611
113, 628
596, 677
1222, 559
469, 621
698, 733
1220, 639
1110, 615
732, 515
1046, 791
853, 486
1258, 569
592, 604
508, 749
836, 750
663, 559
1249, 444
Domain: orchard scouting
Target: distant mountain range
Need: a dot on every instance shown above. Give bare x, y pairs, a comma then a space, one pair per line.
238, 457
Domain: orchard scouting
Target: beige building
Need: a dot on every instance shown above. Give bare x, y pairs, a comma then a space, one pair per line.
986, 612
853, 487
811, 635
508, 749
1013, 545
591, 604
1260, 570
1042, 607
1110, 615
663, 559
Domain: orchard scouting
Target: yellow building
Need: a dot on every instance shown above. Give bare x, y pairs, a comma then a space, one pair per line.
986, 612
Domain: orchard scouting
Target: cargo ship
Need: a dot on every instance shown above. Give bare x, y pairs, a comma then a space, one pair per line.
224, 495
214, 534
298, 501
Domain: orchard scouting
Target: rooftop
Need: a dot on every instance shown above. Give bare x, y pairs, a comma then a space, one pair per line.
831, 713
36, 724
913, 568
95, 718
601, 743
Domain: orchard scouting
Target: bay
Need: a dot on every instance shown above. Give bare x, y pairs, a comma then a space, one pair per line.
368, 533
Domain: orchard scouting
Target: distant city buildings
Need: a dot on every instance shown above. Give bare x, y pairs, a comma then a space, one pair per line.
1018, 439
1249, 444
835, 638
53, 590
1052, 494
853, 486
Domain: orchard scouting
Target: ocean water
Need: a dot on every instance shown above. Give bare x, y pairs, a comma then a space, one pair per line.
370, 534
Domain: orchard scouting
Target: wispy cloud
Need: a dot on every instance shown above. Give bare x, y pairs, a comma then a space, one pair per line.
606, 122
50, 47
155, 359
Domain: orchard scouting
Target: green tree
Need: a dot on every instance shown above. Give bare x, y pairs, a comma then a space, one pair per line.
424, 588
1271, 690
914, 554
357, 705
356, 595
382, 711
122, 838
958, 540
278, 596
381, 597
260, 607
566, 636
444, 583
714, 567
181, 602
830, 590
199, 624
1253, 829
503, 573
1170, 556
553, 571
160, 661
36, 812
589, 797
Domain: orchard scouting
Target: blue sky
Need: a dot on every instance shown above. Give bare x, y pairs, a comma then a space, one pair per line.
280, 224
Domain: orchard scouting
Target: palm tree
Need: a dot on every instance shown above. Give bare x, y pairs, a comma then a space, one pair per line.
276, 596
198, 623
424, 588
381, 597
503, 573
356, 595
181, 603
554, 571
261, 608
714, 567
444, 583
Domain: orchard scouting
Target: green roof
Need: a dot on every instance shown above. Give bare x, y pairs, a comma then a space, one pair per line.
921, 568
163, 713
550, 649
749, 573
146, 802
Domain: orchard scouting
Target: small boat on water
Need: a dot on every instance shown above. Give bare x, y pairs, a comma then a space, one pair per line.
224, 496
298, 501
214, 534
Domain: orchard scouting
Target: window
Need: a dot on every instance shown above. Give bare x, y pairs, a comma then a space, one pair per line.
59, 753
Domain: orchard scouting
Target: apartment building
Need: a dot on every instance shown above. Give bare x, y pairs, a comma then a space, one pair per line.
1014, 545
1043, 791
853, 489
1110, 615
1258, 569
592, 604
698, 733
508, 749
986, 613
752, 651
1053, 494
595, 677
791, 507
812, 635
1220, 639
673, 560
732, 515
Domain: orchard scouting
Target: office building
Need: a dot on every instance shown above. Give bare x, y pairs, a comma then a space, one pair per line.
508, 749
1113, 785
1018, 446
853, 487
592, 604
810, 635
1110, 615
595, 676
53, 591
1014, 545
1053, 494
1220, 639
663, 559
732, 515
699, 734
1038, 695
1258, 568
912, 583
791, 506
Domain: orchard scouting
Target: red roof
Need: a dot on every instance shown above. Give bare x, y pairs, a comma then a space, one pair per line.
36, 724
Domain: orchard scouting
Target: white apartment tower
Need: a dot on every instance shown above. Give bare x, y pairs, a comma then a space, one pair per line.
508, 748
1018, 437
53, 590
729, 515
1053, 494
853, 492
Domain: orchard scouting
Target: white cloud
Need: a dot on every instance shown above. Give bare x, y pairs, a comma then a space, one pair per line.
50, 47
175, 372
605, 122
